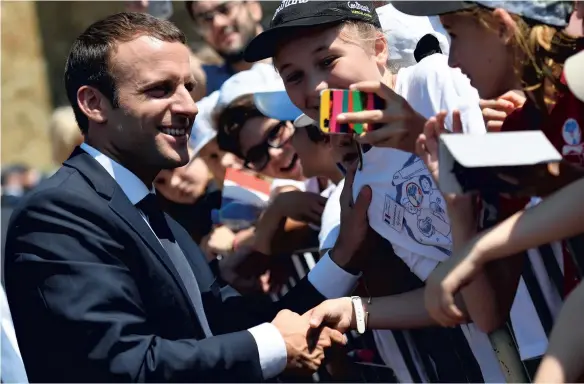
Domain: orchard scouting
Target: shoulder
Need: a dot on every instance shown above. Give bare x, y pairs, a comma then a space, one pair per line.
434, 73
64, 194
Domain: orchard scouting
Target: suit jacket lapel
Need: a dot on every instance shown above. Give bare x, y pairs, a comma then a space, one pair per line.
106, 186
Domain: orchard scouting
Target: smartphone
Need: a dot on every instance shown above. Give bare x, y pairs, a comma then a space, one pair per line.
333, 102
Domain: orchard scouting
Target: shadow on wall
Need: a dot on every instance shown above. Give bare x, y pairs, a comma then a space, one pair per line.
60, 22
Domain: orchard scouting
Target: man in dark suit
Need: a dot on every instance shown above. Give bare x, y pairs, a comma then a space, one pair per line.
104, 286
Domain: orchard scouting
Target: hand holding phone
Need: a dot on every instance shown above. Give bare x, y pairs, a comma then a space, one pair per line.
334, 102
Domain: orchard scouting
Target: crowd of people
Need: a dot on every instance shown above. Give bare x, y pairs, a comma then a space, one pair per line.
164, 247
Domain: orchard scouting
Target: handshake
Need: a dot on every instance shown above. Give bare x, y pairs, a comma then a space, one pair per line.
308, 336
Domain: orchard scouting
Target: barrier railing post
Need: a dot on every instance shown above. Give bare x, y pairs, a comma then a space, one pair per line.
508, 355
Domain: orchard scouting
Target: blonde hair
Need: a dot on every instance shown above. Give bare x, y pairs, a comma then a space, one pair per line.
64, 133
360, 33
539, 52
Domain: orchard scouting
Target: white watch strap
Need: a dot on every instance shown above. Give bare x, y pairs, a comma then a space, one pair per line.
359, 313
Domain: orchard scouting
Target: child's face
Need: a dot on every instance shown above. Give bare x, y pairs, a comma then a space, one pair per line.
482, 53
282, 162
218, 161
321, 59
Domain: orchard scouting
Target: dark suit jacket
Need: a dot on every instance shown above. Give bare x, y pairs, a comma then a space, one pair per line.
95, 298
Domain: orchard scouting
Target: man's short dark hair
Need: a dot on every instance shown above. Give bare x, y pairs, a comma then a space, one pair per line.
427, 46
230, 121
89, 59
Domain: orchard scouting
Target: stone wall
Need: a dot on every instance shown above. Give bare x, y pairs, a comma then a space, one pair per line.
36, 38
26, 100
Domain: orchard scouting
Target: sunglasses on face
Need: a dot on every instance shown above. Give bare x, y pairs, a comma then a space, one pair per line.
258, 156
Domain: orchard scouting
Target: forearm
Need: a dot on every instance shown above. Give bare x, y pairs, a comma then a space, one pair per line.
486, 306
557, 217
403, 311
266, 228
563, 361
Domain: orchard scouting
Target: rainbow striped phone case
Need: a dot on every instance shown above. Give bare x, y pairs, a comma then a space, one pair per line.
333, 102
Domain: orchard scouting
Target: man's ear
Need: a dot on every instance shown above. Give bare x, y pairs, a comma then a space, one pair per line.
505, 24
93, 104
255, 10
381, 49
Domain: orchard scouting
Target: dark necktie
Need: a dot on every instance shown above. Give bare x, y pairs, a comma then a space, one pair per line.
151, 209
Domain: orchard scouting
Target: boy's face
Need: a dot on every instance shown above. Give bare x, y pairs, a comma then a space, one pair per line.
218, 161
282, 162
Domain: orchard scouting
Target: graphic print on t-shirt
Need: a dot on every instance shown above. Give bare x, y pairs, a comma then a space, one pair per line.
572, 136
425, 219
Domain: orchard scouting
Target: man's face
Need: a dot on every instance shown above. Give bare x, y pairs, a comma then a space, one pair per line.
227, 26
152, 125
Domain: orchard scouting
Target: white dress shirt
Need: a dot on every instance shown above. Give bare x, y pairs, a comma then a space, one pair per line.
327, 277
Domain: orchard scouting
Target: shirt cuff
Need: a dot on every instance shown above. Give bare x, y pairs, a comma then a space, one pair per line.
271, 349
331, 280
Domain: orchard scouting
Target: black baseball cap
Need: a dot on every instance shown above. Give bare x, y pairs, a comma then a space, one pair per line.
294, 14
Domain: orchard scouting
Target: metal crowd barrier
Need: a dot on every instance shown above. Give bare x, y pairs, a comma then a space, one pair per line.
502, 340
303, 261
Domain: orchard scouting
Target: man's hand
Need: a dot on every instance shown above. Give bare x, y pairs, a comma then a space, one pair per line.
337, 314
304, 345
354, 222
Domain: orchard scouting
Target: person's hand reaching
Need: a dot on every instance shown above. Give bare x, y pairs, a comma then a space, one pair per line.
337, 314
301, 206
447, 279
305, 346
496, 111
354, 222
427, 149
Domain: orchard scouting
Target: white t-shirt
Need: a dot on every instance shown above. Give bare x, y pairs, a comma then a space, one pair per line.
331, 218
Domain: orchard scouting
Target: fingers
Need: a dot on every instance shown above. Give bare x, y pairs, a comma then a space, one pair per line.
316, 316
362, 203
494, 126
330, 336
421, 150
493, 114
346, 198
516, 99
381, 137
375, 116
456, 122
500, 105
379, 89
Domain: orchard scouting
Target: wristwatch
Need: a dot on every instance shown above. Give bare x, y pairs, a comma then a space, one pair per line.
360, 316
